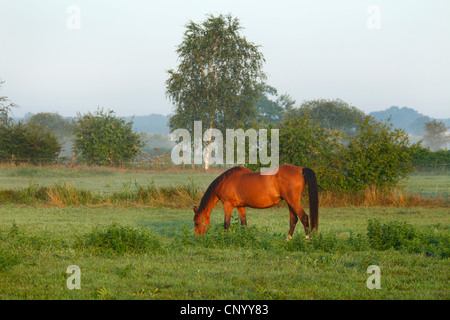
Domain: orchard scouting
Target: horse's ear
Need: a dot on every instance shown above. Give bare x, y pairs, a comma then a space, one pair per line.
195, 209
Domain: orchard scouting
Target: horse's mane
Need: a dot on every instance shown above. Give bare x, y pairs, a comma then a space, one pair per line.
212, 187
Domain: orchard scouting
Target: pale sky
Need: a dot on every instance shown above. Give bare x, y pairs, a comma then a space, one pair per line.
396, 54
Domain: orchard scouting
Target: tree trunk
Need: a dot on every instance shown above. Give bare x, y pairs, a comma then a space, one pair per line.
72, 163
208, 147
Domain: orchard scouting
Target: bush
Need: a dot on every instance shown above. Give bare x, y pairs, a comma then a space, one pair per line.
28, 142
402, 236
375, 156
104, 139
378, 155
424, 159
305, 144
389, 235
119, 240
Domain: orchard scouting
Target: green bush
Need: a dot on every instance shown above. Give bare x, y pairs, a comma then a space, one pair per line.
378, 155
103, 138
28, 142
118, 240
306, 144
402, 236
423, 159
392, 234
375, 155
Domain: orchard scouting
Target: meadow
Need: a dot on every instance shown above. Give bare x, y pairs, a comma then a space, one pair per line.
147, 250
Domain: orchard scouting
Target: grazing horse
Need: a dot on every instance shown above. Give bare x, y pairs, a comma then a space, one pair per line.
239, 188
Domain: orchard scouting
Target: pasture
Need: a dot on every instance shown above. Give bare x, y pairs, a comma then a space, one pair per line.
149, 252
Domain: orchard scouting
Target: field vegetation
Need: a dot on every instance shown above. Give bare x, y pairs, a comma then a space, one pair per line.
131, 234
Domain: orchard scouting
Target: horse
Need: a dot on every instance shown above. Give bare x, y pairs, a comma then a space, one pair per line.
240, 187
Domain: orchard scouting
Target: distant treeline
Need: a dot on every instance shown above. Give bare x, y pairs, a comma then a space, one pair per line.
407, 119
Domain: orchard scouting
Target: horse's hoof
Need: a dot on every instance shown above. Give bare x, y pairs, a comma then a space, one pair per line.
289, 238
307, 238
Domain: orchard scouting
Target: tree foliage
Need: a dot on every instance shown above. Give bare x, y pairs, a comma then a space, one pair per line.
306, 144
273, 110
376, 155
5, 108
28, 142
54, 122
24, 142
102, 138
218, 78
331, 114
435, 136
424, 159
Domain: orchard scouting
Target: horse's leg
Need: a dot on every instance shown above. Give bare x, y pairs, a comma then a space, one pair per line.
292, 222
228, 208
305, 220
241, 211
296, 209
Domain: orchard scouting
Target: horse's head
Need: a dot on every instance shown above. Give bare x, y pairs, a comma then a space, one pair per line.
200, 224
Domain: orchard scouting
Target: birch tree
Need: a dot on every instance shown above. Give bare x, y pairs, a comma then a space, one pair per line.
218, 79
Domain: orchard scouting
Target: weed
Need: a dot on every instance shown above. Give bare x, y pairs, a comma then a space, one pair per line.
237, 236
8, 260
119, 240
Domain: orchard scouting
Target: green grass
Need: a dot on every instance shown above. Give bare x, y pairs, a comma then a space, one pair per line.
100, 179
96, 179
38, 244
428, 184
149, 251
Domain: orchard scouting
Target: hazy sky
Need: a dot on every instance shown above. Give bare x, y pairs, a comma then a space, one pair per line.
372, 54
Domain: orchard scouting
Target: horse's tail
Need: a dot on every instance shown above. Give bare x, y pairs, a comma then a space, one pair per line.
313, 192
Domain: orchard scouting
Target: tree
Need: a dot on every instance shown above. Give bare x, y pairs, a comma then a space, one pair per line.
102, 138
53, 122
331, 114
20, 141
272, 110
218, 79
5, 108
59, 126
435, 136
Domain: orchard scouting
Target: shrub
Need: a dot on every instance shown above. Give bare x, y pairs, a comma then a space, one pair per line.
119, 240
425, 159
378, 155
237, 236
28, 142
305, 144
105, 139
392, 234
402, 236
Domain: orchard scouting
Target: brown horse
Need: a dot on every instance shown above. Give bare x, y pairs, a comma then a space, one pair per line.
239, 188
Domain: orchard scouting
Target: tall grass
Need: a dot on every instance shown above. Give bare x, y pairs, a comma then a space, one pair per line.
189, 194
375, 196
56, 171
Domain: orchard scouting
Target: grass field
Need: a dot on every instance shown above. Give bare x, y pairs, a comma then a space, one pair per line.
141, 252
